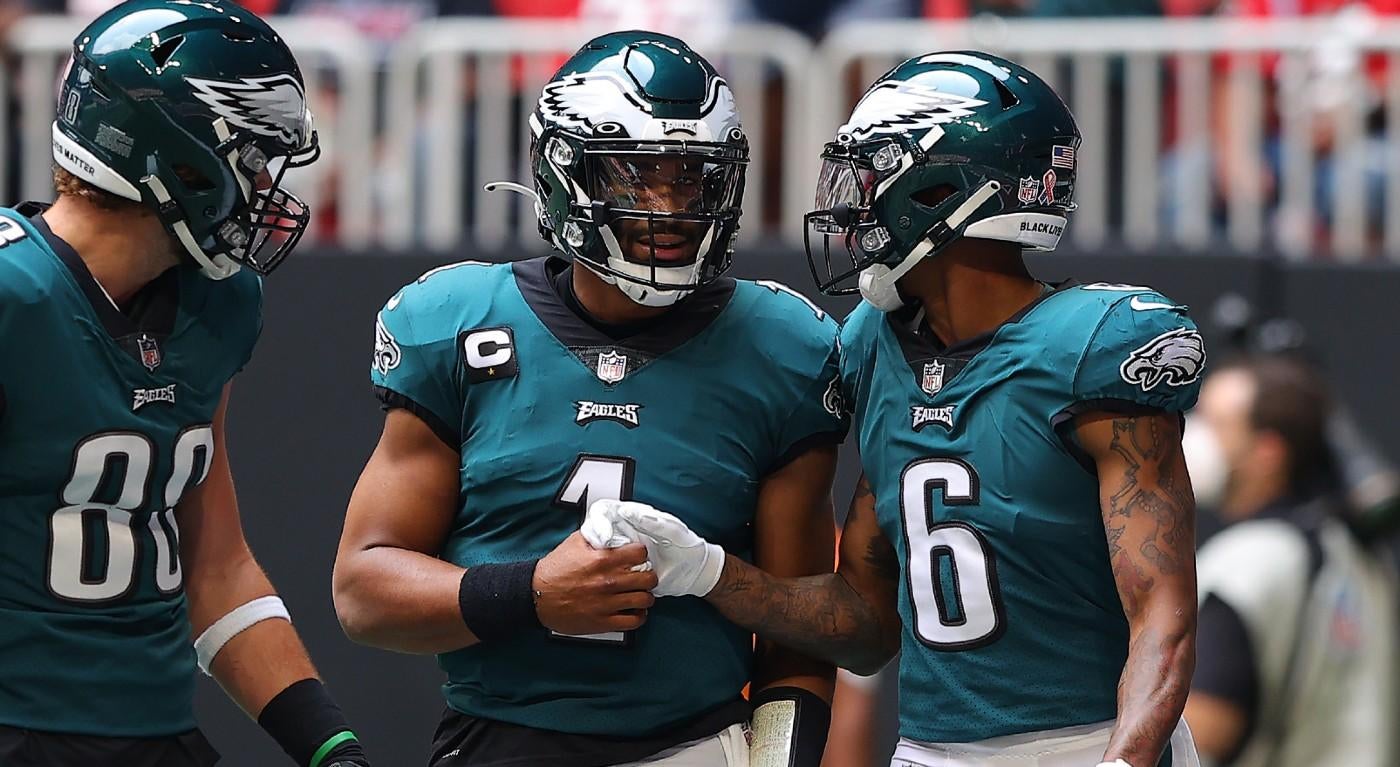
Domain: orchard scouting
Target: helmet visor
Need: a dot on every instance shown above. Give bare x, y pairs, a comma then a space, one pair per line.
841, 237
843, 182
665, 183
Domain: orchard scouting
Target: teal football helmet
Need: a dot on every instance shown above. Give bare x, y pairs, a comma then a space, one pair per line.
197, 110
943, 146
638, 161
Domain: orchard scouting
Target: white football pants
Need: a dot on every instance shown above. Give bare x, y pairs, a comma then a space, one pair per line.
728, 748
1069, 747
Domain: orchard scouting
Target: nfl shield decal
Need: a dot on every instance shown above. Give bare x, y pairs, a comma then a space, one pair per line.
612, 367
1029, 191
150, 352
932, 381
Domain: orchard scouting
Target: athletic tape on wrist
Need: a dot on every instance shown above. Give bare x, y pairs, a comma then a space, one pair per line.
789, 728
238, 620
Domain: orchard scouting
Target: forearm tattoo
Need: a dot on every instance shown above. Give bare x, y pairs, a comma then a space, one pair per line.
822, 616
1149, 519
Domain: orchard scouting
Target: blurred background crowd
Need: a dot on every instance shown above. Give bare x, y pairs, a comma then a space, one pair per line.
1225, 128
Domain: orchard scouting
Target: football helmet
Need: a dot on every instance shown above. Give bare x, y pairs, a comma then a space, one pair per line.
943, 146
638, 161
197, 110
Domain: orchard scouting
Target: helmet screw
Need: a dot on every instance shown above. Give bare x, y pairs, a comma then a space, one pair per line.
904, 222
210, 212
573, 234
560, 152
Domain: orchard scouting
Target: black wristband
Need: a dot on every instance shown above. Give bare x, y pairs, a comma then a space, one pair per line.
498, 600
810, 721
303, 718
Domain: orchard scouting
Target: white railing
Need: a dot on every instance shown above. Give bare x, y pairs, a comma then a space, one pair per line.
324, 47
503, 65
458, 92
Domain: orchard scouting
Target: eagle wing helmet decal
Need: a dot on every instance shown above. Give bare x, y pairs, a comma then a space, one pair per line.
576, 100
268, 106
1176, 358
899, 106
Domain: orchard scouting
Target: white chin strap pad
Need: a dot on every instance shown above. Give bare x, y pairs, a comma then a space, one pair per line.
238, 620
637, 288
879, 283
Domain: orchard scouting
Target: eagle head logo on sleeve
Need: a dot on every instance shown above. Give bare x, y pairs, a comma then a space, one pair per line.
1175, 358
387, 353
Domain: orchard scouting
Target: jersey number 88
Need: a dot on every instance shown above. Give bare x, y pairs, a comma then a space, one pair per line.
120, 464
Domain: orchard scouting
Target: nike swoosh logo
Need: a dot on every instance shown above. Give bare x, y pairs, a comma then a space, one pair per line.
1141, 306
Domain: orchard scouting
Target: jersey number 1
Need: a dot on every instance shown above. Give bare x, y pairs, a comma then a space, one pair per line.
594, 478
952, 573
93, 548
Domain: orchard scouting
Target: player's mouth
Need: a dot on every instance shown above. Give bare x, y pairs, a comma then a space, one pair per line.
666, 246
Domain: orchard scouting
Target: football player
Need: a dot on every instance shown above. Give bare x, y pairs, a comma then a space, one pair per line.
1024, 528
133, 301
518, 394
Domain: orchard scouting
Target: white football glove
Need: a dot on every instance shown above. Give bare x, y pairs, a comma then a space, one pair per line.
685, 563
602, 531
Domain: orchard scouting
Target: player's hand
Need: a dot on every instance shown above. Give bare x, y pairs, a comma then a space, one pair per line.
685, 563
585, 590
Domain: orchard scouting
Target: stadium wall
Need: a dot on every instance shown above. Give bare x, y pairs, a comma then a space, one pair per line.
303, 423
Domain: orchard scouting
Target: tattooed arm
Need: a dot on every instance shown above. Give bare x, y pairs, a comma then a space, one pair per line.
1149, 517
848, 617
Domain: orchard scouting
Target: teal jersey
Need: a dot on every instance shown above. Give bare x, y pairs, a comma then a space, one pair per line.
1011, 618
549, 414
105, 424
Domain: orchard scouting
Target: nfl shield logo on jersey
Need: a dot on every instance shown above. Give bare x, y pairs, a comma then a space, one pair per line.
933, 378
150, 352
611, 367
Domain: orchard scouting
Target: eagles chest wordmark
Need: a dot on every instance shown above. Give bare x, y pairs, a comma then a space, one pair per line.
488, 354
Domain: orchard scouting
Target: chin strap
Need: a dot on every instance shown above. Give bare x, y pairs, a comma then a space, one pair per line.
878, 283
217, 267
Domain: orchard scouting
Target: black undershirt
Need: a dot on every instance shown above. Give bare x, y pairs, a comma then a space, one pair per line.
563, 285
1225, 663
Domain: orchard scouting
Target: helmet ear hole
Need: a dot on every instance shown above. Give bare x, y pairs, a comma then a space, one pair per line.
193, 179
930, 197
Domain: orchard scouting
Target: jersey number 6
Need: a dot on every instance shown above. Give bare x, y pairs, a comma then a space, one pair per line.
952, 573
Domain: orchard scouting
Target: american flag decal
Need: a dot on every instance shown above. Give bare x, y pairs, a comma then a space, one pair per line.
1062, 157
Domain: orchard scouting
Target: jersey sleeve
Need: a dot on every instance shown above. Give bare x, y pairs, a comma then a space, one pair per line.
855, 358
415, 368
1146, 353
820, 416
